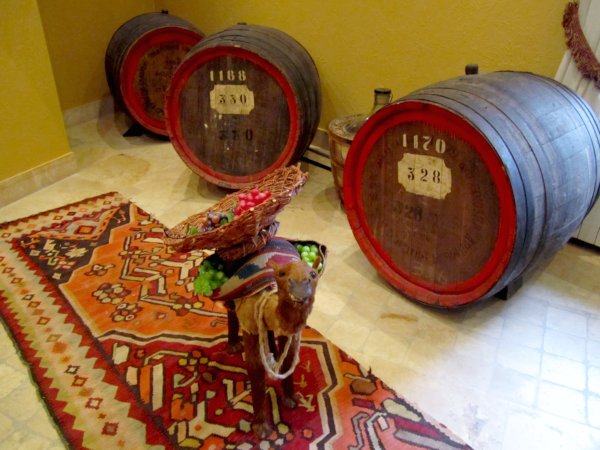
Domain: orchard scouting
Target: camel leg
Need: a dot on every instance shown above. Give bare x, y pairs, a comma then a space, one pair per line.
256, 373
288, 383
234, 342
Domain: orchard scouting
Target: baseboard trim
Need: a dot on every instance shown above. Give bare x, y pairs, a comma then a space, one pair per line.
89, 111
25, 183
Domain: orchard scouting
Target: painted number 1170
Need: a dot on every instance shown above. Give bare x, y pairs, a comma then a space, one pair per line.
424, 143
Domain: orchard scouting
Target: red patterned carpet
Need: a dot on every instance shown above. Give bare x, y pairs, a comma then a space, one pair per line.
126, 356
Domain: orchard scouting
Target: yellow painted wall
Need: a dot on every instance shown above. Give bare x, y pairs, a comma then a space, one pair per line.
401, 44
52, 47
357, 45
78, 33
32, 131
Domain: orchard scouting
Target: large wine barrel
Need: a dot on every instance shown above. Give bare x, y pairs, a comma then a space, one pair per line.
459, 189
244, 102
140, 59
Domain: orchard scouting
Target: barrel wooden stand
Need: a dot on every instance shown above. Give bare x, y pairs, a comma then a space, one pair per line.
140, 60
243, 103
459, 189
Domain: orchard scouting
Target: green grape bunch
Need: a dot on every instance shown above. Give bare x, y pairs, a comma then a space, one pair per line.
210, 277
309, 254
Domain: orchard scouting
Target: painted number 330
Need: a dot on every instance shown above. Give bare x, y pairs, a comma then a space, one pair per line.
233, 99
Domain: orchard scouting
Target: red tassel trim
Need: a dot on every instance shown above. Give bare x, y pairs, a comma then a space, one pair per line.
583, 55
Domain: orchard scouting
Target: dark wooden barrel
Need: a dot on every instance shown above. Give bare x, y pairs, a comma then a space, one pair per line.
459, 189
140, 60
244, 102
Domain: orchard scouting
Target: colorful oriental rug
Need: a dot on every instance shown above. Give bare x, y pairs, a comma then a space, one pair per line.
126, 356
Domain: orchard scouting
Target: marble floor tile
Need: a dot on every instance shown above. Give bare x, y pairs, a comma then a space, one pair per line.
482, 348
562, 401
593, 352
565, 345
524, 333
593, 380
349, 337
594, 329
563, 371
593, 410
570, 322
526, 306
523, 359
514, 386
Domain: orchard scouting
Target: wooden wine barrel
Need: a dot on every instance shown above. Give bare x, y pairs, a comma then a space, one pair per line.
244, 102
140, 60
459, 189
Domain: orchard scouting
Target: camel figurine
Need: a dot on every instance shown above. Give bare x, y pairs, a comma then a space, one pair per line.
270, 301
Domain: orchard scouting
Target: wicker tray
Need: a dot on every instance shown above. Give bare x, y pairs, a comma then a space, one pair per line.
250, 245
283, 183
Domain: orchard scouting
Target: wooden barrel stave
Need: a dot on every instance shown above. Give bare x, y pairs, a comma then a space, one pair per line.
590, 125
551, 133
511, 124
547, 136
286, 128
307, 69
291, 70
304, 64
295, 64
235, 166
534, 152
504, 136
140, 58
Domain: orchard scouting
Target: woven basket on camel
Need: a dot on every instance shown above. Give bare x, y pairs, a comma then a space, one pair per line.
250, 245
283, 183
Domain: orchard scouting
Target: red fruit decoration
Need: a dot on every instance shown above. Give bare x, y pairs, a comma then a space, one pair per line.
250, 200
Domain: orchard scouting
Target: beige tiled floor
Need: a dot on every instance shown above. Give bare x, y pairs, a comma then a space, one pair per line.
521, 374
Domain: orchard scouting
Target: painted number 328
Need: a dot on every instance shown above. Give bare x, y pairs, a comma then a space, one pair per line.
424, 175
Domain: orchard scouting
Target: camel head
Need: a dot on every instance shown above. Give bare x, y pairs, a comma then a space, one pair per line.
296, 282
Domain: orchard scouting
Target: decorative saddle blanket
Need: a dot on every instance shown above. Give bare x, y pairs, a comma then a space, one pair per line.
254, 275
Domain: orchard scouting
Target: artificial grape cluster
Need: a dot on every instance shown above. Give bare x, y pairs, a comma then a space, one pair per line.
213, 220
210, 277
309, 254
250, 200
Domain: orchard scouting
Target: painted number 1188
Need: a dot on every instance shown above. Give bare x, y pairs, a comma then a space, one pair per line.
227, 75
